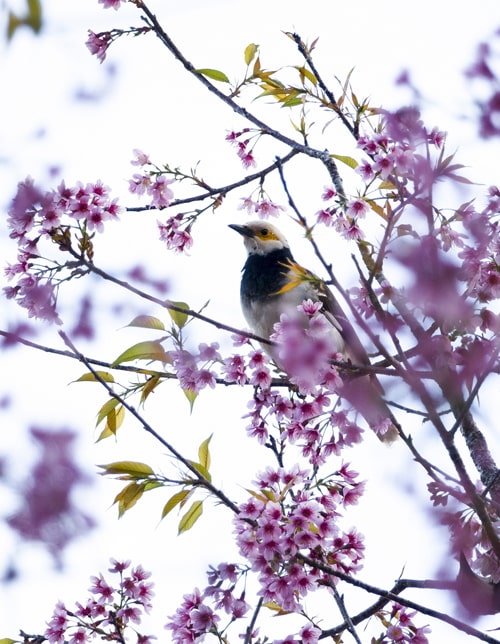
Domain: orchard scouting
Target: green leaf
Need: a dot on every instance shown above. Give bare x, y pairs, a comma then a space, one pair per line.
204, 453
176, 499
148, 350
377, 208
105, 409
201, 469
250, 51
90, 377
147, 322
191, 396
152, 485
32, 19
13, 24
128, 497
8, 640
276, 607
307, 73
179, 318
214, 74
292, 101
352, 163
191, 516
386, 185
149, 387
114, 421
135, 469
269, 83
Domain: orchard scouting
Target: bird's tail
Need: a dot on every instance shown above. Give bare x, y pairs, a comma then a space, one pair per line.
365, 395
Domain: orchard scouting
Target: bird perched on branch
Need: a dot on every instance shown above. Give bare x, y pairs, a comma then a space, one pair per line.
273, 284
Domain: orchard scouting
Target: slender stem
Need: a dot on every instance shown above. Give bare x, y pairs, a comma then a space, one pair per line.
250, 627
328, 93
348, 621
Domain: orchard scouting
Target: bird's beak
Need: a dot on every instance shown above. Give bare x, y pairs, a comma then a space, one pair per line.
243, 230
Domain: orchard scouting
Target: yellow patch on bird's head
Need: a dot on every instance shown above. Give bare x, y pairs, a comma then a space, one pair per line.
266, 233
260, 237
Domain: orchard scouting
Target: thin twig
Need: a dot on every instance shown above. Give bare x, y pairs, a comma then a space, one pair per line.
328, 93
250, 627
343, 611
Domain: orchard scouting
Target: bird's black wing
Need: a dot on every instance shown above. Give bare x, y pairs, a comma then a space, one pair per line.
332, 307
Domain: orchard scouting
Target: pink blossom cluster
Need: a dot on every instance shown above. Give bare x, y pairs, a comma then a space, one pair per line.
308, 634
155, 185
152, 181
484, 71
310, 419
360, 298
393, 150
234, 369
456, 280
278, 523
47, 512
306, 421
401, 627
263, 207
175, 232
243, 148
480, 258
345, 220
199, 615
176, 237
33, 210
98, 44
109, 612
283, 520
115, 4
469, 544
307, 344
194, 371
35, 215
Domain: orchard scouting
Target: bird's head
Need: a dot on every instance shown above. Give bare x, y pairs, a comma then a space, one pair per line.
260, 237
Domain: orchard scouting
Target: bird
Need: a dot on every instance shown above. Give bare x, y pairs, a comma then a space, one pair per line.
478, 595
273, 284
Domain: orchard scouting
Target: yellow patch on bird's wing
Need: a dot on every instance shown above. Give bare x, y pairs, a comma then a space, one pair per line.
297, 275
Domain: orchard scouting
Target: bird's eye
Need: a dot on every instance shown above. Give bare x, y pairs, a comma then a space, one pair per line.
264, 232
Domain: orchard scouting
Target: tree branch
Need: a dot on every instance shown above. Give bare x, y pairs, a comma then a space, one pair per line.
186, 462
228, 100
210, 192
393, 595
165, 304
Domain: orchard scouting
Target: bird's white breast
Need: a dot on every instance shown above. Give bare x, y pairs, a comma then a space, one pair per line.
262, 315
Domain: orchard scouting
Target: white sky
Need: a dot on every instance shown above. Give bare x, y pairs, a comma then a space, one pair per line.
149, 103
